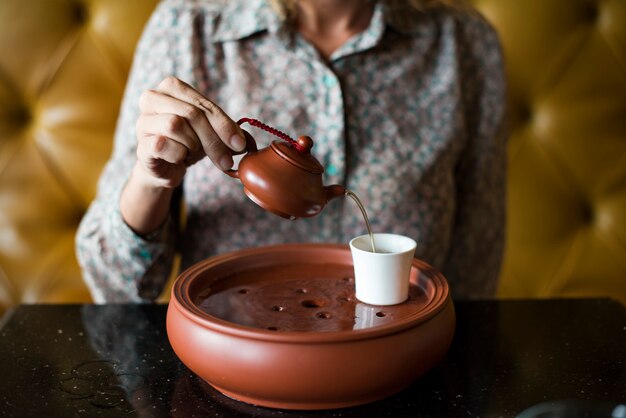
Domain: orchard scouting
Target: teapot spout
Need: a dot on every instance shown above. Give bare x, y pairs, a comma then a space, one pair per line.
334, 191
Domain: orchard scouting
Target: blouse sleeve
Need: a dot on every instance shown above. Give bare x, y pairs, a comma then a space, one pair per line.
117, 264
475, 256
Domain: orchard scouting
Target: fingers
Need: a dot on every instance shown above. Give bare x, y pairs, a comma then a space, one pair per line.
175, 128
155, 147
215, 130
177, 112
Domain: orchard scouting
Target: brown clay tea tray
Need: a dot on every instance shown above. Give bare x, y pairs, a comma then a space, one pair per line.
280, 327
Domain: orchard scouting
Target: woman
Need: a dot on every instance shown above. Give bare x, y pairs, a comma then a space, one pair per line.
403, 99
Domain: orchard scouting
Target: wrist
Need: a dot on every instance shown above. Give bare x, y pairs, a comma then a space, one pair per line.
144, 203
143, 178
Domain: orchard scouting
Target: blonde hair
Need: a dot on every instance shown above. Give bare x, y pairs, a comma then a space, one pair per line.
287, 8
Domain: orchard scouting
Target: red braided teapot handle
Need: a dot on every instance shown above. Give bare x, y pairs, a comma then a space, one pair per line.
273, 131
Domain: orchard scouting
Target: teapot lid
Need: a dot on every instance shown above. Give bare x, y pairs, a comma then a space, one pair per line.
299, 154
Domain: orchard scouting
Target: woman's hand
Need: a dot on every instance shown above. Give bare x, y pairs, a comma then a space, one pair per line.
177, 127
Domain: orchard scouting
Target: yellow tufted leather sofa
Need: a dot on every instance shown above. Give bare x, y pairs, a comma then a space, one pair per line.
63, 66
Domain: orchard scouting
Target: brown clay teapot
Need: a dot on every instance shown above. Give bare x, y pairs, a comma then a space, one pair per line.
284, 178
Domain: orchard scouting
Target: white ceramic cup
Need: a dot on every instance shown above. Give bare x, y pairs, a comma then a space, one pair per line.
382, 278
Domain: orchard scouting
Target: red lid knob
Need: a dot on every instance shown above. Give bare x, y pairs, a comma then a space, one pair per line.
305, 143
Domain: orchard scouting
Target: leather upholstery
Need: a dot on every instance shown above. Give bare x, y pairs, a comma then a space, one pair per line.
63, 68
566, 62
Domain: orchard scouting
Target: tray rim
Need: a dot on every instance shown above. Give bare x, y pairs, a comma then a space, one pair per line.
181, 300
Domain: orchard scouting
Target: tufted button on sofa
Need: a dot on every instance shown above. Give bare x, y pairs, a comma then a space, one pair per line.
63, 67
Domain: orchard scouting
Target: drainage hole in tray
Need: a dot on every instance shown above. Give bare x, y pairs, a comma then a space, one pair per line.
309, 303
381, 314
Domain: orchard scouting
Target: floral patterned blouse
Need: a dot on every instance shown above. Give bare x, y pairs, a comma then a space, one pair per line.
407, 114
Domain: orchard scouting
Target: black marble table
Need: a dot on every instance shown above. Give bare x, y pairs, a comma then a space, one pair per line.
508, 358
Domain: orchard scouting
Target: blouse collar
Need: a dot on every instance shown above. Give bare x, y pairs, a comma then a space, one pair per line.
242, 18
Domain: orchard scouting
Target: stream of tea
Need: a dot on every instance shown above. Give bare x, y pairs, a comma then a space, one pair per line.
364, 213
